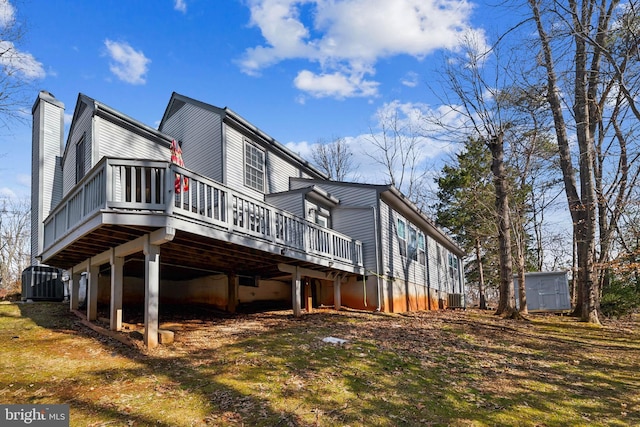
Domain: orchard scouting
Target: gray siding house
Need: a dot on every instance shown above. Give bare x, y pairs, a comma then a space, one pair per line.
244, 221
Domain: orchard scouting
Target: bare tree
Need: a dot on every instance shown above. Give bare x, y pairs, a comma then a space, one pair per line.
399, 147
18, 69
335, 159
15, 254
477, 89
589, 53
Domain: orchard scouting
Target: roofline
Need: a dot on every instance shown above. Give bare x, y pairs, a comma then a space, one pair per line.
236, 118
98, 108
430, 224
276, 144
315, 189
397, 195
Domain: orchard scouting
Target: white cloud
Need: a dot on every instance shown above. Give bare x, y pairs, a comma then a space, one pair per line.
410, 122
23, 64
346, 38
410, 79
128, 64
302, 149
180, 6
24, 179
7, 14
8, 193
13, 62
336, 85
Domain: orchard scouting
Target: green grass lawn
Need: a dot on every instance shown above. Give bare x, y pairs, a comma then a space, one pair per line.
269, 369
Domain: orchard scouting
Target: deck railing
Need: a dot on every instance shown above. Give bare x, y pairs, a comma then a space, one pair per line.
152, 186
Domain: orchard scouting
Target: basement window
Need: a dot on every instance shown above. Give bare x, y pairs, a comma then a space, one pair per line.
248, 281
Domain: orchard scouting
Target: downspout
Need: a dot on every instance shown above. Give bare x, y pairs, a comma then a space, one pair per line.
376, 225
461, 281
426, 271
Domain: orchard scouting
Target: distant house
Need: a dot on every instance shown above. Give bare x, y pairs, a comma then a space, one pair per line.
245, 221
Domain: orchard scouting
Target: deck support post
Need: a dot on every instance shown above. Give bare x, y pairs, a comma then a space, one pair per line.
151, 293
296, 293
92, 292
337, 296
115, 306
74, 291
308, 296
232, 292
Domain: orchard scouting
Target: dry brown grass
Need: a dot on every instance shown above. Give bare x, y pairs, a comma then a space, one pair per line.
435, 368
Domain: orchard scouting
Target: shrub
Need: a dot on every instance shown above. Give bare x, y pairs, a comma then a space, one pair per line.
620, 298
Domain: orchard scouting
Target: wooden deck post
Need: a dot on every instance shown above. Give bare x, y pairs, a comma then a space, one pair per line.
308, 296
151, 293
74, 291
337, 296
92, 292
296, 293
232, 292
115, 306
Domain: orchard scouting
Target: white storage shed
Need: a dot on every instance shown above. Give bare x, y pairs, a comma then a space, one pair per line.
546, 291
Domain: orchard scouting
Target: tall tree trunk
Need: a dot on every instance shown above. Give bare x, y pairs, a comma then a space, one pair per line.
581, 205
522, 291
506, 304
483, 299
585, 126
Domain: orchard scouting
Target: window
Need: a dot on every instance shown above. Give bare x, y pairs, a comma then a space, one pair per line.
80, 159
402, 237
453, 267
422, 257
319, 215
322, 219
248, 281
253, 167
413, 244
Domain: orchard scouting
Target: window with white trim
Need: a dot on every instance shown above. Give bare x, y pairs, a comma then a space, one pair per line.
253, 167
402, 237
422, 249
453, 267
413, 243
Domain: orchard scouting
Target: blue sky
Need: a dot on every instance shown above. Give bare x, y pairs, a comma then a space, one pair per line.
302, 71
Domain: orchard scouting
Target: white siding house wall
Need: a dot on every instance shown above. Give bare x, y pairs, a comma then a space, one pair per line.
82, 127
291, 202
37, 194
115, 141
235, 163
440, 273
354, 216
200, 131
433, 262
46, 182
278, 173
410, 276
278, 170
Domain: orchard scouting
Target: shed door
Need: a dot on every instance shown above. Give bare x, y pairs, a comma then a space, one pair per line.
552, 296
